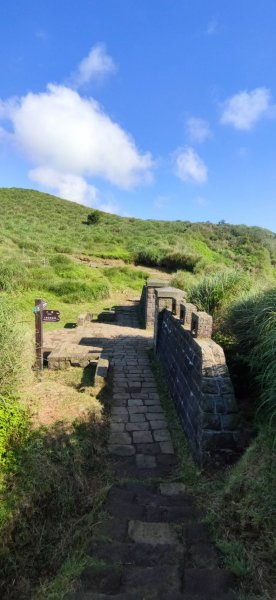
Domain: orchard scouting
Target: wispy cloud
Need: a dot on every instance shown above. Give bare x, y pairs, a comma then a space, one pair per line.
198, 129
212, 27
189, 166
41, 35
109, 207
96, 65
200, 201
161, 201
244, 109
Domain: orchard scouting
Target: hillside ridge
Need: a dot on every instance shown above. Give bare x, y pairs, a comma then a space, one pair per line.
34, 222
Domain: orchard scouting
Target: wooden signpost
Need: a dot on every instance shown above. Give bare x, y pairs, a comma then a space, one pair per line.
41, 315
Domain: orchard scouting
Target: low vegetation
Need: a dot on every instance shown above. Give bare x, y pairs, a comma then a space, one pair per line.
53, 475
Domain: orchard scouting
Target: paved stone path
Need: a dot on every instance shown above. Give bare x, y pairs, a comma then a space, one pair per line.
152, 544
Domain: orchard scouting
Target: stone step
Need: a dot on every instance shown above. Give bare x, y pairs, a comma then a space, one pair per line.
139, 555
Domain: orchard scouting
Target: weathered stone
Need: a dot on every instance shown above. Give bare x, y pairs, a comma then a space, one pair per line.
137, 426
135, 402
154, 416
137, 418
162, 435
152, 533
230, 422
172, 489
158, 424
120, 438
151, 448
117, 410
117, 427
134, 410
145, 461
142, 437
121, 450
152, 580
166, 448
210, 582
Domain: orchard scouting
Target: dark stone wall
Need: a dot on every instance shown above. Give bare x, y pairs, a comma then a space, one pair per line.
200, 386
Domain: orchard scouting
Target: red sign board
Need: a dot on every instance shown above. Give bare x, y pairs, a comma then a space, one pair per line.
51, 316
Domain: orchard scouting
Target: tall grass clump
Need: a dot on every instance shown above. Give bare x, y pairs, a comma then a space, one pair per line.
13, 275
252, 320
79, 290
13, 341
214, 292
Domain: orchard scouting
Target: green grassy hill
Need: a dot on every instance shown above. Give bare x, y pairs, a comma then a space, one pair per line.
34, 223
48, 249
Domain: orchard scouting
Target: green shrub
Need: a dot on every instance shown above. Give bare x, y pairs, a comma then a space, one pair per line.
94, 217
177, 260
253, 322
13, 428
213, 292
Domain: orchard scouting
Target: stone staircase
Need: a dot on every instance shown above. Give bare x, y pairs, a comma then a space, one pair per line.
152, 546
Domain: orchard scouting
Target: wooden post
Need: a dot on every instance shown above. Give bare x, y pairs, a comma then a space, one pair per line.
39, 335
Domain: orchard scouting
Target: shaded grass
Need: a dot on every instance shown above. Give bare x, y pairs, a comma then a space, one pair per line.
50, 501
238, 502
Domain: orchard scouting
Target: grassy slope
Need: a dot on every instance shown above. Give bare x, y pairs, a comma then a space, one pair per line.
35, 226
39, 222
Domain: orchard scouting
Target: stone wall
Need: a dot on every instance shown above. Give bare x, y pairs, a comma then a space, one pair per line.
198, 378
147, 301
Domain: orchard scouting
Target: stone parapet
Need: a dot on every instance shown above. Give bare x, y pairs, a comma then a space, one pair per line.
199, 382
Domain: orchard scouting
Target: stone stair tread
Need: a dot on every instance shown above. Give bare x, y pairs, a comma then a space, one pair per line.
157, 579
208, 581
137, 554
152, 533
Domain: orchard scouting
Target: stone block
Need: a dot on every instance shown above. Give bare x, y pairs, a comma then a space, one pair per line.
162, 435
121, 450
142, 437
120, 438
152, 533
172, 489
145, 461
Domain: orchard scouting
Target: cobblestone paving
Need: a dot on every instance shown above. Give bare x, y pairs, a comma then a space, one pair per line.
151, 545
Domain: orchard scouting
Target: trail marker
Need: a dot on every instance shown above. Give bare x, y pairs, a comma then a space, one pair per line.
38, 334
51, 316
40, 316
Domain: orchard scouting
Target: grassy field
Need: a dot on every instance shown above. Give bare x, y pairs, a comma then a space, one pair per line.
53, 474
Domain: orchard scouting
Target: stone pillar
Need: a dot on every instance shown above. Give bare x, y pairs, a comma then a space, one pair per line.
202, 325
166, 297
152, 284
186, 310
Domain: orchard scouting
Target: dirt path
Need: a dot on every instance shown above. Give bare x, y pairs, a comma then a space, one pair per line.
152, 544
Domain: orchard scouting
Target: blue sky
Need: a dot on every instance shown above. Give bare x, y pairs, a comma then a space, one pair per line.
157, 109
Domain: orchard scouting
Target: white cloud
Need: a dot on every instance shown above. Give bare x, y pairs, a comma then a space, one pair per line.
95, 65
109, 207
198, 129
63, 132
190, 167
65, 185
244, 109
